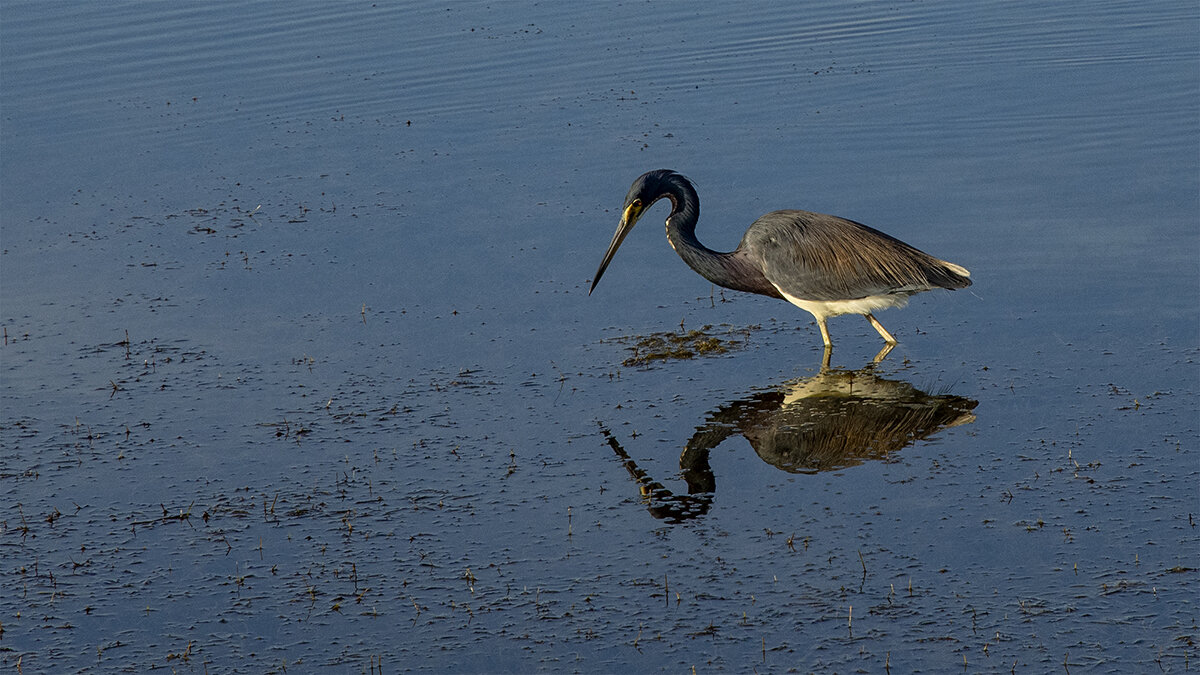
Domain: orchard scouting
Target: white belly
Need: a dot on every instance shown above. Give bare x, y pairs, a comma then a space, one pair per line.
827, 308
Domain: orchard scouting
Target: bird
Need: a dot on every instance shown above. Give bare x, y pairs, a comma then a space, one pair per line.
822, 264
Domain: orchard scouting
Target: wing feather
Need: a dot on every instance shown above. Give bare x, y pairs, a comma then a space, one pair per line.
814, 256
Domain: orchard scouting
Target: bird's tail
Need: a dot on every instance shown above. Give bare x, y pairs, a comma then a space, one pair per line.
956, 276
957, 269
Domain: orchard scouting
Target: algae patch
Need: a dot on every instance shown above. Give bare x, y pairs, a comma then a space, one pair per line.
666, 346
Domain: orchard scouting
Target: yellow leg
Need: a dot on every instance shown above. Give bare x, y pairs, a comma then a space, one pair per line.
824, 332
891, 340
887, 348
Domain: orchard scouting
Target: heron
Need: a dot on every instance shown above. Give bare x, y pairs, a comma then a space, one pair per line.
823, 264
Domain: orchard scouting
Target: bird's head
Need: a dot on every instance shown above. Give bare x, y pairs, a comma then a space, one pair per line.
647, 189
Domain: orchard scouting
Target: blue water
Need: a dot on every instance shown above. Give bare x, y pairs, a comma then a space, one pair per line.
300, 371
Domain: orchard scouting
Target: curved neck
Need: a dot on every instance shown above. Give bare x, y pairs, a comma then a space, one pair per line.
731, 270
681, 226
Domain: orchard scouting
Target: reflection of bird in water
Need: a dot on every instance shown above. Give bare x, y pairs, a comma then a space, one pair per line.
658, 498
823, 264
834, 420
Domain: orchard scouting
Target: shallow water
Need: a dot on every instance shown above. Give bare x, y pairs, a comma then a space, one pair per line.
300, 370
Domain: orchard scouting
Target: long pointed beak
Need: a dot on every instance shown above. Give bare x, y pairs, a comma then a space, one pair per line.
628, 220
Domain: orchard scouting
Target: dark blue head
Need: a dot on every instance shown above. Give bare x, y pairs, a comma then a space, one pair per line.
647, 189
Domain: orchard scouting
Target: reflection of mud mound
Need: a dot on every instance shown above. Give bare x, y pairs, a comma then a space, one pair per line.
833, 420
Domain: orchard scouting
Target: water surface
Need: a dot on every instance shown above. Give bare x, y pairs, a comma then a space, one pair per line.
300, 371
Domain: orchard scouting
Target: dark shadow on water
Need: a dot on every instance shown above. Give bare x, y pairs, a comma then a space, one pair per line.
833, 420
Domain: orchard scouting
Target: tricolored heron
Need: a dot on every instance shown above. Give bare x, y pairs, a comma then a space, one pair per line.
823, 264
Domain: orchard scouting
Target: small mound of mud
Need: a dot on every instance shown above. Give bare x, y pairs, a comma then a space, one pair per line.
665, 346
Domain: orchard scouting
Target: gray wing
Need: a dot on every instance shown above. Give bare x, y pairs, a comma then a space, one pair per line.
813, 256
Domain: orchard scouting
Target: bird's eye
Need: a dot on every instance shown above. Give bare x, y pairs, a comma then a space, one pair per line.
637, 203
